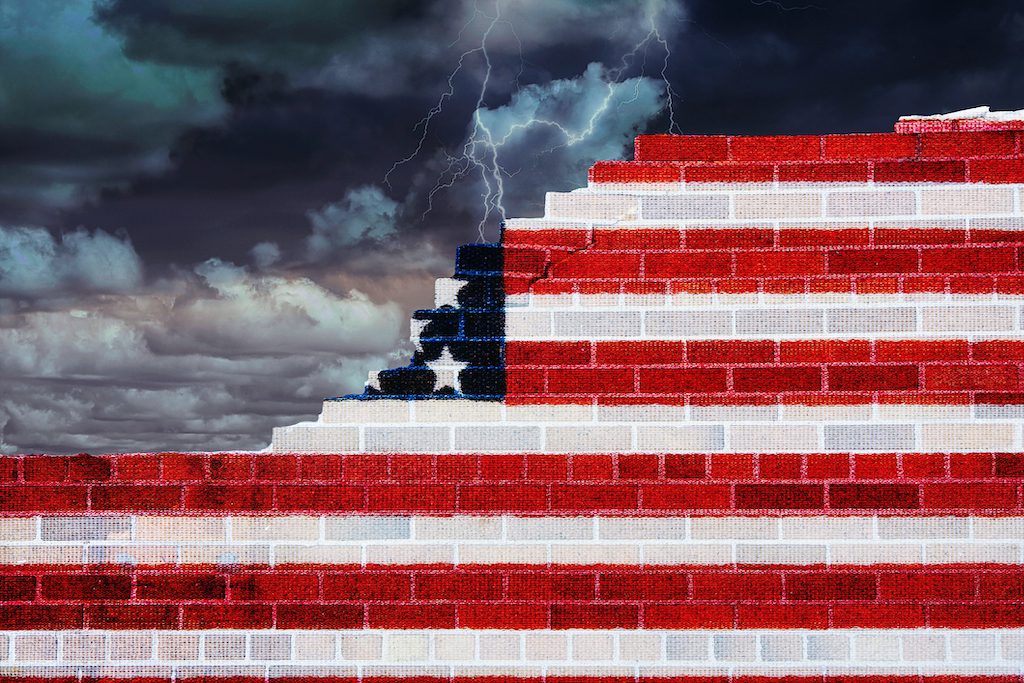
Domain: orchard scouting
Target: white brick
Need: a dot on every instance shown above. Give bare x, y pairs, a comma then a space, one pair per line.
875, 553
588, 439
777, 553
550, 413
407, 647
455, 646
407, 439
782, 647
948, 553
549, 529
499, 439
777, 205
876, 648
681, 439
966, 200
998, 527
591, 324
684, 206
591, 205
458, 528
35, 647
687, 553
779, 321
740, 647
642, 528
595, 554
410, 554
314, 438
361, 646
71, 529
467, 411
679, 324
358, 412
826, 527
316, 553
639, 647
924, 527
641, 413
499, 646
765, 438
180, 528
734, 528
316, 646
687, 647
967, 318
872, 203
870, 437
593, 647
967, 437
219, 645
275, 528
546, 646
372, 528
828, 647
979, 647
527, 324
504, 553
871, 321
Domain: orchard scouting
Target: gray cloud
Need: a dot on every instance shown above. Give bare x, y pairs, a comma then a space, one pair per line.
365, 213
34, 264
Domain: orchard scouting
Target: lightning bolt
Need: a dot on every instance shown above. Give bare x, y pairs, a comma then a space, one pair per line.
480, 153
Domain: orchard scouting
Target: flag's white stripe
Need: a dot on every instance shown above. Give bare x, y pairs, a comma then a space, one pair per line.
655, 541
622, 430
586, 652
795, 319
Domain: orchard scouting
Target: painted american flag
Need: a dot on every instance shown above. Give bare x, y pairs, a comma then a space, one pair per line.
742, 409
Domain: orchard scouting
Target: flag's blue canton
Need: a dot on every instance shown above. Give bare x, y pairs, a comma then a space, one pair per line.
473, 332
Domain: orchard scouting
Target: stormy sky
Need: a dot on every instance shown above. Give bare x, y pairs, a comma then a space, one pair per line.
214, 213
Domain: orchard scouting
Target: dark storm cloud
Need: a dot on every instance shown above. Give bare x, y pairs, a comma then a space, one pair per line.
196, 239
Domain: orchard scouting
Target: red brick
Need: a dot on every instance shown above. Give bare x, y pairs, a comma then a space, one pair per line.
772, 263
967, 145
872, 377
828, 466
121, 616
411, 616
634, 353
43, 499
231, 467
276, 467
642, 239
679, 381
920, 350
971, 465
995, 170
732, 466
547, 467
136, 498
873, 497
598, 467
921, 171
499, 467
320, 498
634, 172
853, 615
919, 236
367, 585
870, 146
410, 467
520, 616
974, 497
18, 588
524, 261
671, 264
681, 148
319, 616
458, 586
181, 586
638, 466
557, 239
779, 466
86, 587
593, 497
229, 497
685, 466
644, 586
730, 351
46, 617
320, 467
1009, 465
594, 616
954, 615
922, 585
815, 237
999, 349
779, 497
591, 381
544, 585
397, 497
1007, 584
825, 172
275, 585
728, 238
977, 377
689, 616
743, 585
873, 261
45, 468
729, 173
832, 585
771, 379
685, 496
519, 381
596, 265
825, 351
502, 497
775, 147
183, 466
782, 616
969, 260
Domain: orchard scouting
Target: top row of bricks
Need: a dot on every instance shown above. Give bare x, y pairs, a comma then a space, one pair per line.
854, 147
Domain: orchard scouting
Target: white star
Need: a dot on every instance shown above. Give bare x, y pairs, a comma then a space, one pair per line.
373, 381
446, 370
446, 291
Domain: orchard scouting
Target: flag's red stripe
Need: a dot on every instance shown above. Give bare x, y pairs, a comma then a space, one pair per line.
761, 371
972, 141
532, 484
512, 597
783, 261
766, 677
